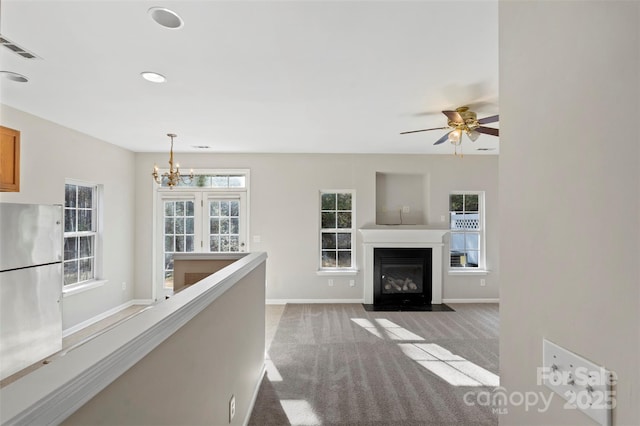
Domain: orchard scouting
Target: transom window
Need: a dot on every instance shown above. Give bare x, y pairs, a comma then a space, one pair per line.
336, 229
80, 233
466, 219
218, 181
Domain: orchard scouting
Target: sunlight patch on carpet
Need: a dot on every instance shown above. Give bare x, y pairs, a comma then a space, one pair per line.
299, 412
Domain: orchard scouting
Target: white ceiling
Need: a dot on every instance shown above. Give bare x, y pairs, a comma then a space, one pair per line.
257, 76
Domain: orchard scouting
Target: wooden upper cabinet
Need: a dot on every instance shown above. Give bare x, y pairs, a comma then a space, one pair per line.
9, 160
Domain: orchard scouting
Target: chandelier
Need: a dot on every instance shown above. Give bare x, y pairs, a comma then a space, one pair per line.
173, 176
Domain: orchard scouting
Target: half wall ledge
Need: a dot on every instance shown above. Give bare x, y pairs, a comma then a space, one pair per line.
72, 384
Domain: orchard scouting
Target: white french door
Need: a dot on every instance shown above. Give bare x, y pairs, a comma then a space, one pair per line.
197, 222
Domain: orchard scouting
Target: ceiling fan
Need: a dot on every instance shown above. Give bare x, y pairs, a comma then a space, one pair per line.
463, 120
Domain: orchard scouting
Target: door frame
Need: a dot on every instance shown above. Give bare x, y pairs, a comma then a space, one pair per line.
160, 193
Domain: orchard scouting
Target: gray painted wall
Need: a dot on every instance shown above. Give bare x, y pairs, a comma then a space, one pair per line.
49, 154
284, 212
570, 195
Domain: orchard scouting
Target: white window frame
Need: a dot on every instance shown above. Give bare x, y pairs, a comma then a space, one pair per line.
97, 233
481, 268
351, 270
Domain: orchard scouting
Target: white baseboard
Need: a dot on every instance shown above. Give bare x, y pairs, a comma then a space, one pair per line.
285, 301
470, 300
100, 317
142, 301
252, 403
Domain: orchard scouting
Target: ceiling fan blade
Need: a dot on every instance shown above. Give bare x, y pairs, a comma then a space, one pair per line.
423, 130
442, 139
488, 131
453, 116
491, 119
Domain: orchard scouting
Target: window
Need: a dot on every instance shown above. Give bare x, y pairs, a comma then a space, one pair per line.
466, 215
336, 230
80, 233
205, 180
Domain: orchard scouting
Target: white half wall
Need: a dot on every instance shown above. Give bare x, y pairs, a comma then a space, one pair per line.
50, 153
569, 196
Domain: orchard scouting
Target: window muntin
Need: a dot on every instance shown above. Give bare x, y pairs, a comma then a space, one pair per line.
336, 229
467, 233
80, 233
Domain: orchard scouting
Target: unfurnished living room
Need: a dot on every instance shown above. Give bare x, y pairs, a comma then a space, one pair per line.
332, 212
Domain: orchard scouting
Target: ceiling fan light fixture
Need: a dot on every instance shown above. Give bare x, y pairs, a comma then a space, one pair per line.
455, 136
473, 135
166, 17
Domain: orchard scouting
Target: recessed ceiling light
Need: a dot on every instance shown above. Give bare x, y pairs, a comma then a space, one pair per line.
14, 76
165, 17
153, 77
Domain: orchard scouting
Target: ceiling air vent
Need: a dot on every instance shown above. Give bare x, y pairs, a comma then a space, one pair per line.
16, 49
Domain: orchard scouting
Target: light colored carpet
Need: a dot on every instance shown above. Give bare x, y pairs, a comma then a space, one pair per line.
339, 365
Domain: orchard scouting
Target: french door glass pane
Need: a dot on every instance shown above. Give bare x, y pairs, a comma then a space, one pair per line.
178, 233
224, 225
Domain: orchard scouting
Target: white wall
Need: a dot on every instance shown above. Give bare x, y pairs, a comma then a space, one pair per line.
284, 212
569, 195
49, 154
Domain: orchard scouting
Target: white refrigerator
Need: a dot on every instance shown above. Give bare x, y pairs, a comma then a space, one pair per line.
30, 284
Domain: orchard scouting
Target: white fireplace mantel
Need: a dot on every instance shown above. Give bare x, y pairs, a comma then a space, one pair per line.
403, 236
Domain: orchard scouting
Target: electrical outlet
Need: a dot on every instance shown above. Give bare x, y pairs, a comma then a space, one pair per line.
406, 209
257, 239
330, 282
483, 282
232, 407
124, 286
443, 218
352, 283
584, 384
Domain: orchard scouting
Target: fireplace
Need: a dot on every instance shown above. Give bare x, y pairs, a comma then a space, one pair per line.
402, 276
403, 237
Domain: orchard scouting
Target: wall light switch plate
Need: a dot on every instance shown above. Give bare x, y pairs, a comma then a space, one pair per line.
330, 282
406, 209
585, 385
352, 283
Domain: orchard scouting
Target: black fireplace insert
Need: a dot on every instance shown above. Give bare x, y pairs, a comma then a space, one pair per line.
402, 276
